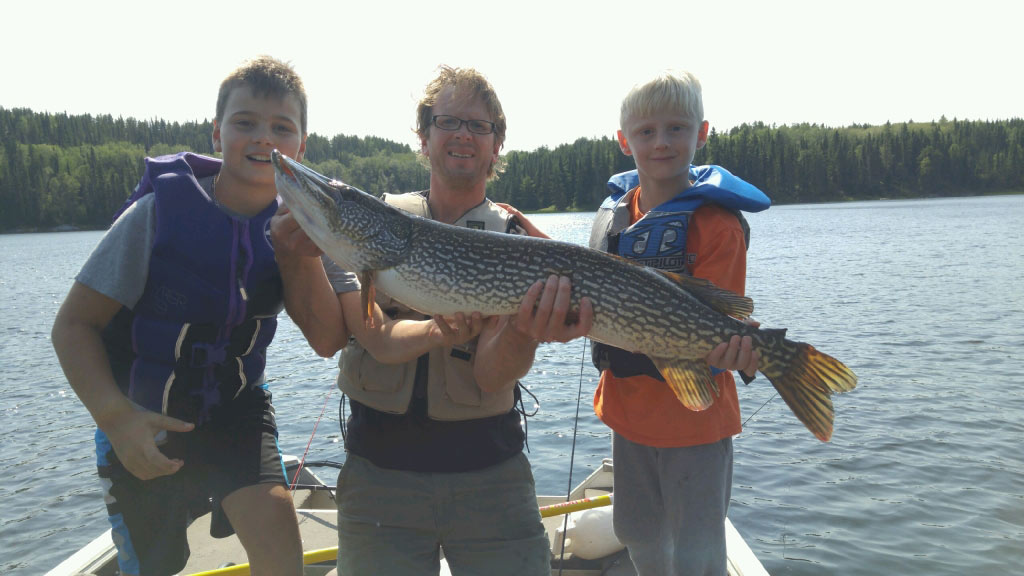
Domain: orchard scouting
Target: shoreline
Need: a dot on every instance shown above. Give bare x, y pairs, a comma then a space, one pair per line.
552, 210
54, 229
845, 200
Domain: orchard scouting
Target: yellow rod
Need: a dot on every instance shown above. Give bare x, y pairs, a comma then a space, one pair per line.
326, 554
575, 505
311, 557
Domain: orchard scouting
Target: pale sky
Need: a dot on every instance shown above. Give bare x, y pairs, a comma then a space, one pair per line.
560, 68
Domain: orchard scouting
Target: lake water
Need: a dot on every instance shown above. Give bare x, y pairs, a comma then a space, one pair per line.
923, 299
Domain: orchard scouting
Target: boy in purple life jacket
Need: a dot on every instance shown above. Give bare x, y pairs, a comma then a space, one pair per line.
164, 332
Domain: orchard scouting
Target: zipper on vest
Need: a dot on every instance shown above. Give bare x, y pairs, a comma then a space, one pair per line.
240, 264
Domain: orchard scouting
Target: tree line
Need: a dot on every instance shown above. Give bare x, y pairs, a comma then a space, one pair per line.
798, 163
76, 170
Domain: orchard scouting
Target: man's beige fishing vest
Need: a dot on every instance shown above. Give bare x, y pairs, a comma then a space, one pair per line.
452, 392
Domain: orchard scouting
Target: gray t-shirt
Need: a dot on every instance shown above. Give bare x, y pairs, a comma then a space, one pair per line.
341, 280
119, 265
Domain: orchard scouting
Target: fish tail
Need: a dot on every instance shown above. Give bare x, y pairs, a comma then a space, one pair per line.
806, 380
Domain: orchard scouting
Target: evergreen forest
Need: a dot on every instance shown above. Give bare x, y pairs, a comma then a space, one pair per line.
60, 171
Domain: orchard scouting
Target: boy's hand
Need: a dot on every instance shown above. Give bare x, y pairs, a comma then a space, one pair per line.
736, 354
530, 228
547, 323
289, 238
456, 330
133, 441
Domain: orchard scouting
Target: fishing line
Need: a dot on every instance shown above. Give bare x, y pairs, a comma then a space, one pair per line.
759, 409
572, 455
302, 462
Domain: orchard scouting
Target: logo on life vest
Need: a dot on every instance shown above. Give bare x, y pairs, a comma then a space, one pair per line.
167, 300
658, 241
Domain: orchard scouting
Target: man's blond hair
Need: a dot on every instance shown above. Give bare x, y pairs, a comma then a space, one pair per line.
467, 83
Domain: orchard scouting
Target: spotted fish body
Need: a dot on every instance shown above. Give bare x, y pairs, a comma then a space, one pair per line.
436, 268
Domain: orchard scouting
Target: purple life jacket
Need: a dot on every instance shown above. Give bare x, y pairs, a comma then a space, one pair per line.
198, 335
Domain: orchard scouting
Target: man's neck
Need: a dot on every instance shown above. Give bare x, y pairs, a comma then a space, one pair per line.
448, 203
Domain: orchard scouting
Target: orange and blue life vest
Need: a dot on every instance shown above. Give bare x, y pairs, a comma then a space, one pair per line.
658, 239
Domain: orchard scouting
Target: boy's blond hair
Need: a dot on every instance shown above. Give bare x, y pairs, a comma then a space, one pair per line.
268, 78
675, 91
467, 83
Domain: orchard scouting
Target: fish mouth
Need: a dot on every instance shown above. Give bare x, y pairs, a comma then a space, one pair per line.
277, 159
301, 176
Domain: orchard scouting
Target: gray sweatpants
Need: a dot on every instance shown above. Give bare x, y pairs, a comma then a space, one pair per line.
670, 506
393, 522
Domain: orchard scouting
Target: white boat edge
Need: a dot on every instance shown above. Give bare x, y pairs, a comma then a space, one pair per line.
89, 558
741, 559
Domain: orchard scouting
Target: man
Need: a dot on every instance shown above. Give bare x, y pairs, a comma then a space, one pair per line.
434, 441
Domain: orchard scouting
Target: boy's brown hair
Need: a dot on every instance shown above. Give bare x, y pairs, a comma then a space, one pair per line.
267, 77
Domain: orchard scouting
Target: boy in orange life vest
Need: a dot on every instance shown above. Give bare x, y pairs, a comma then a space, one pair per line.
673, 466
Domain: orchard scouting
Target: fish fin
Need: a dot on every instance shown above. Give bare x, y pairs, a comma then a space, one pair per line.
722, 300
806, 379
368, 295
691, 381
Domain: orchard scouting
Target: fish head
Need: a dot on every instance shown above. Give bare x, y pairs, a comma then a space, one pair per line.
355, 229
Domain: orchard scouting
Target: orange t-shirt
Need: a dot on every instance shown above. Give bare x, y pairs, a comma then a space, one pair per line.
644, 409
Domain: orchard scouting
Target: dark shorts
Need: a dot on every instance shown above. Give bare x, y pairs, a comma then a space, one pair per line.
236, 448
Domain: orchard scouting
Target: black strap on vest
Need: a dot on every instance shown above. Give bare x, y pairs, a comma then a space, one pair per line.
622, 364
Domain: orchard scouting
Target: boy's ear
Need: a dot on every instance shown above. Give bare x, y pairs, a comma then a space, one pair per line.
702, 135
216, 137
623, 143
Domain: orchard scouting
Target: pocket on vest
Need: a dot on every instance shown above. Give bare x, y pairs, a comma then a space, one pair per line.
460, 385
363, 372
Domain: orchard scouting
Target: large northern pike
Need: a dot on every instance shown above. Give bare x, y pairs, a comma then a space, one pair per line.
436, 268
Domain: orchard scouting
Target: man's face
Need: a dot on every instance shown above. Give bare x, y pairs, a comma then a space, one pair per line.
459, 157
663, 144
251, 128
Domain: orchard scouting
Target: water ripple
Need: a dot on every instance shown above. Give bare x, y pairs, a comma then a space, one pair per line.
923, 475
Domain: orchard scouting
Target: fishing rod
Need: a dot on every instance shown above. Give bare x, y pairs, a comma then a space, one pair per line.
311, 557
759, 409
572, 454
576, 505
295, 478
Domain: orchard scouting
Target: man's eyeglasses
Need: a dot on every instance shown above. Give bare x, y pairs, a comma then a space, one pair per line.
453, 123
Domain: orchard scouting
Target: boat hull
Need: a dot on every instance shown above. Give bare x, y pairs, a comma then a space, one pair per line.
318, 516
